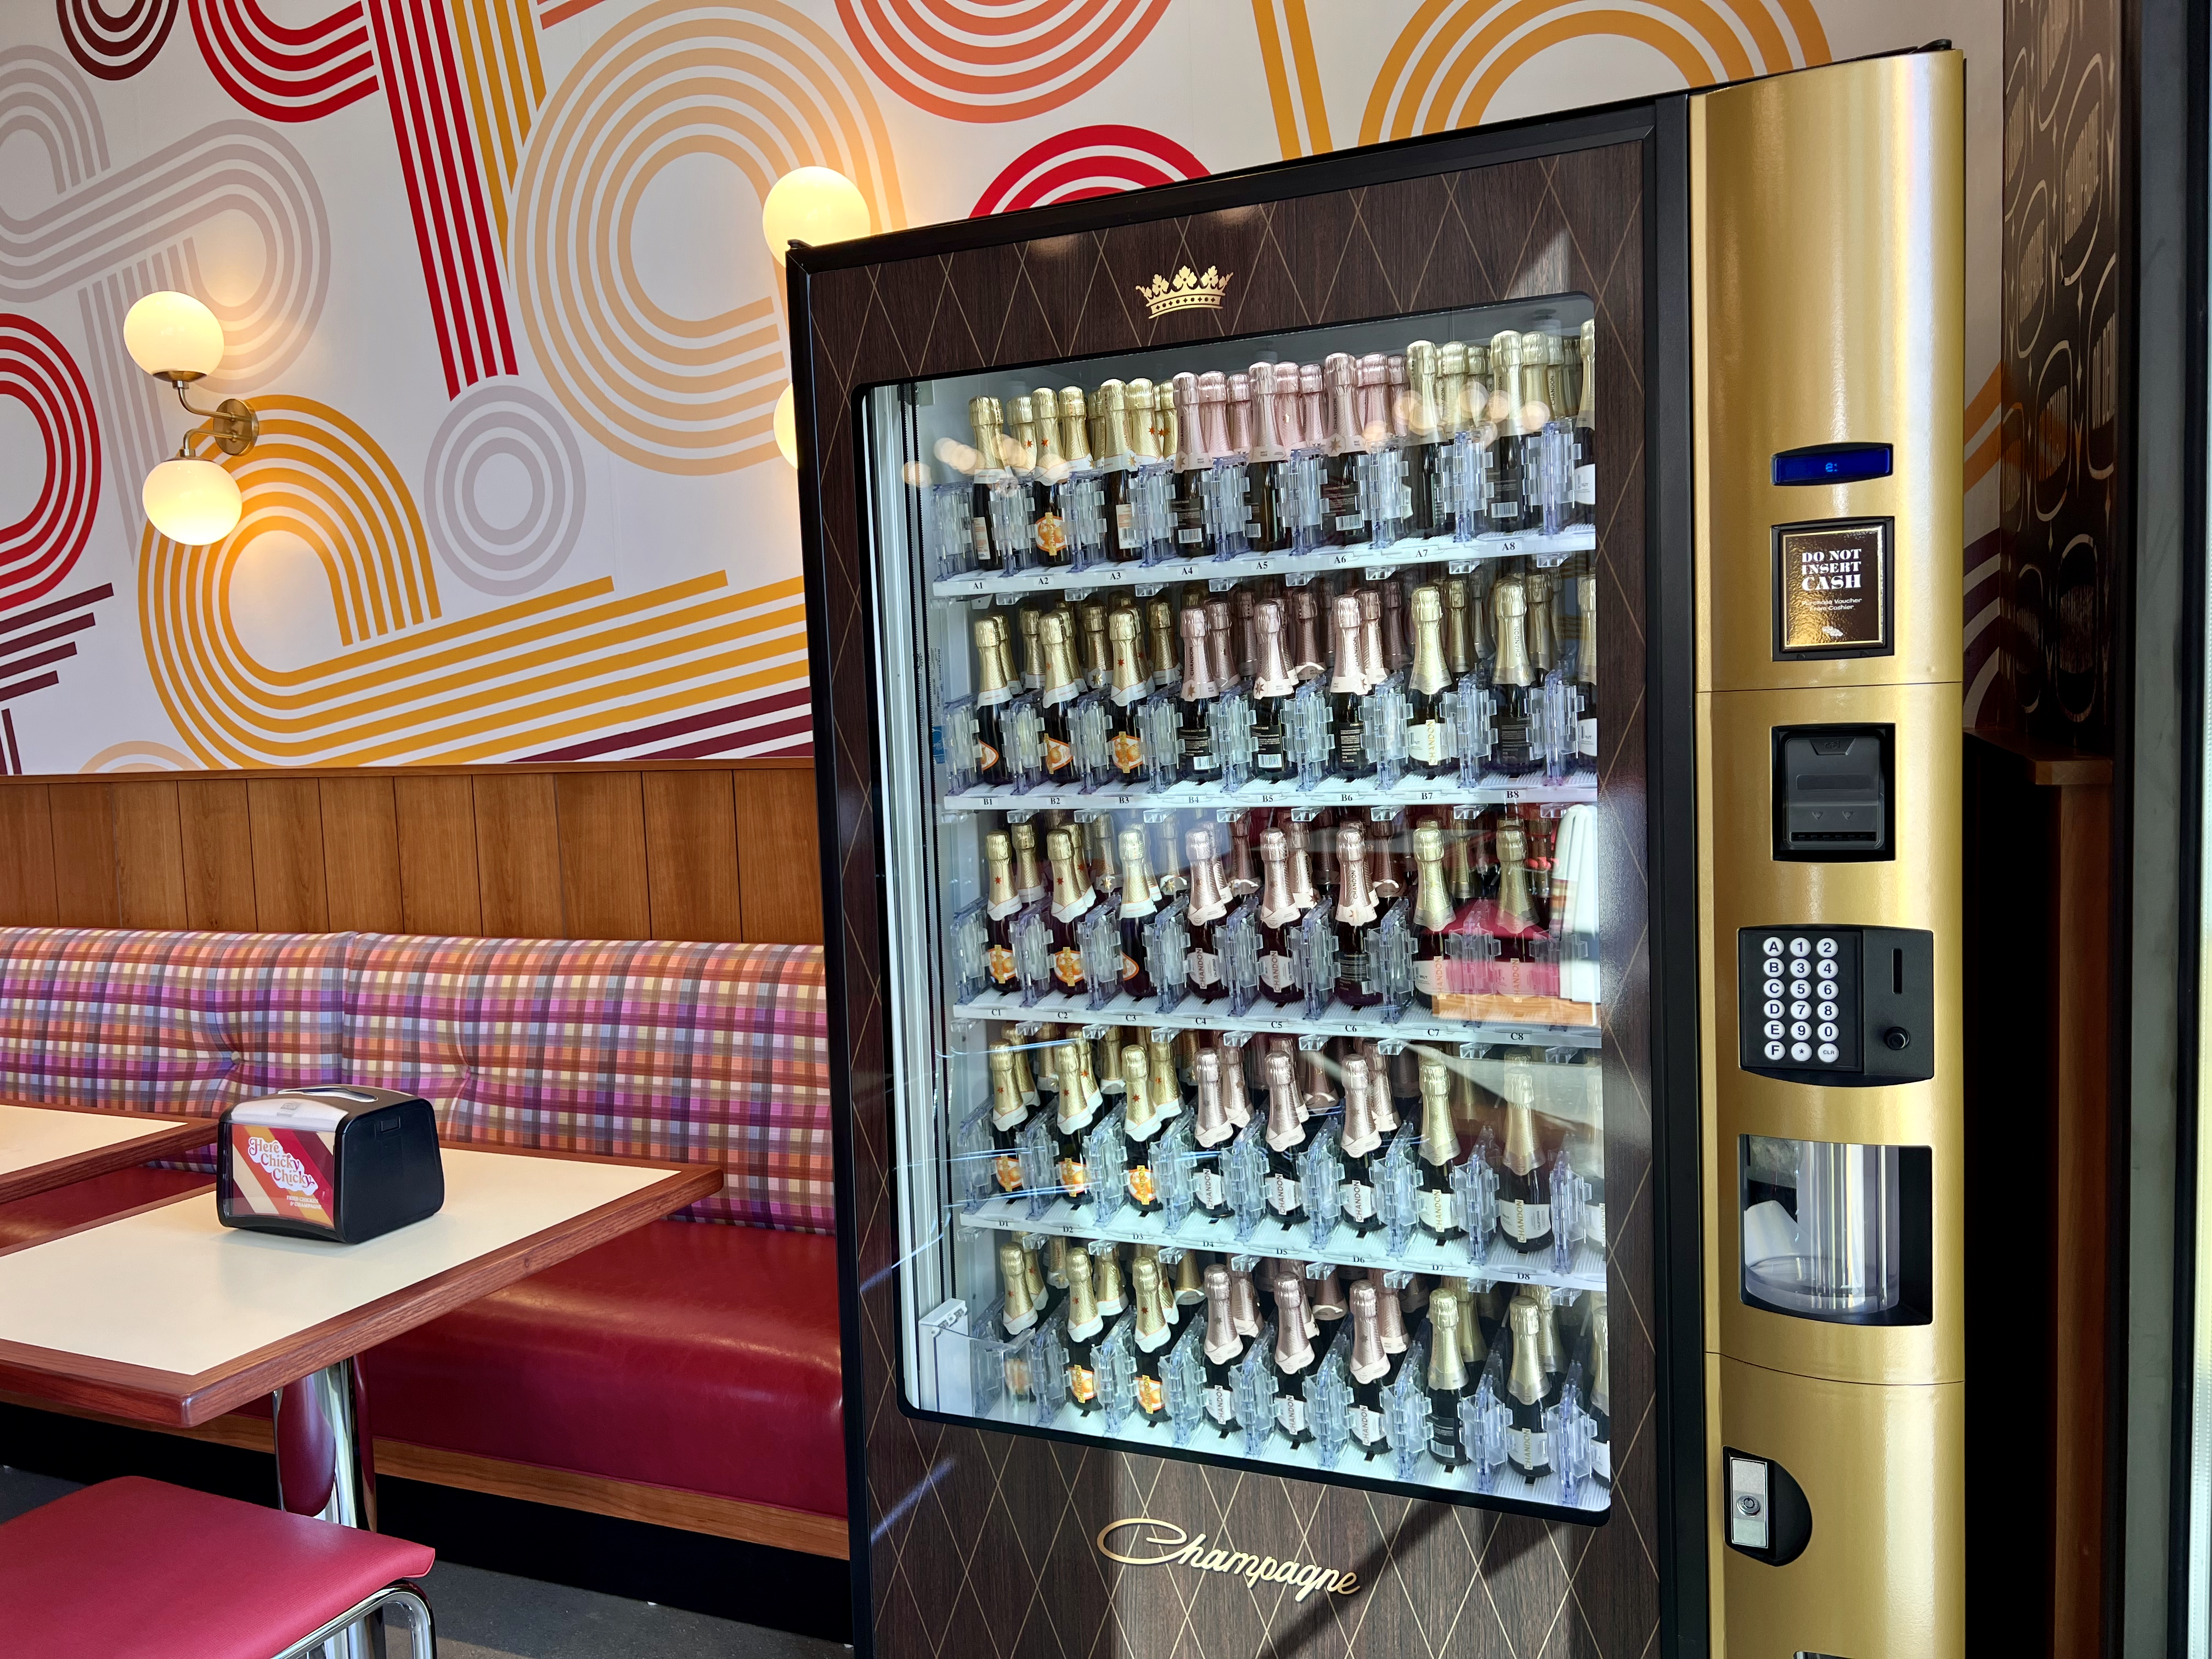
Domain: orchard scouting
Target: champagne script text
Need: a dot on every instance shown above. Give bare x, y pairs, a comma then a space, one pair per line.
1169, 1544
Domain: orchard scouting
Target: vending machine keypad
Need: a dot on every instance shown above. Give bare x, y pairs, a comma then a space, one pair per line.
1848, 1006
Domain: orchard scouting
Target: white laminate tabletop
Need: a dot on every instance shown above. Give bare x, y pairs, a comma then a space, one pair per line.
32, 1137
172, 1289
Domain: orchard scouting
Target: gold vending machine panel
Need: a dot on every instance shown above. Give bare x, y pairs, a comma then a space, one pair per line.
1826, 246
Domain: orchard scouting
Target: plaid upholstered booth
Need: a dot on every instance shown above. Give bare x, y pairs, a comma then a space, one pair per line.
690, 1368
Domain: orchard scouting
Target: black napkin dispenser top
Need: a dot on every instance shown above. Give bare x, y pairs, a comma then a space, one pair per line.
344, 1162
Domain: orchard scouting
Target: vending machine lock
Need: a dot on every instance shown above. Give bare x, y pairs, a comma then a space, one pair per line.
1768, 1518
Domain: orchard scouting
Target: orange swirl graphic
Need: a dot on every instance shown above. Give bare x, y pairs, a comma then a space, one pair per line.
995, 60
762, 87
1452, 58
406, 684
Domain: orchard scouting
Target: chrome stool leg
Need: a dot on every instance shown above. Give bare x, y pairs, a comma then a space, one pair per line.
405, 1597
324, 1467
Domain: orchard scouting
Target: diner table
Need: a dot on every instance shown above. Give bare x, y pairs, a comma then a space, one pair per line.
164, 1316
43, 1147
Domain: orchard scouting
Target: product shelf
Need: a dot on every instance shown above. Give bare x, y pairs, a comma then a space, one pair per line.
1495, 790
1414, 1026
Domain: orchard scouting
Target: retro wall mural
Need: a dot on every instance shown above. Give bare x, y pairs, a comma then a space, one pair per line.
491, 272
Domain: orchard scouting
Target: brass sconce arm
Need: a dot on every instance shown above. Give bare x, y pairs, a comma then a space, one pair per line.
231, 424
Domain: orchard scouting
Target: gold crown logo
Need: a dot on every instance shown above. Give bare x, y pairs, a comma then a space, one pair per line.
1185, 293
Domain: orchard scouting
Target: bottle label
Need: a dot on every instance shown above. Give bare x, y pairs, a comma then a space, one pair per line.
1210, 1188
1600, 1460
1438, 1212
1074, 1175
1523, 1221
1430, 741
1152, 1397
1202, 967
1357, 1201
1130, 968
1278, 973
979, 536
1285, 1195
1368, 1426
1435, 976
1058, 757
1527, 1449
1143, 1189
1129, 752
1009, 1168
998, 962
1445, 1444
1586, 738
1291, 1415
987, 757
1189, 534
1352, 745
1268, 760
1125, 525
1506, 509
1082, 1384
1204, 761
1351, 969
1221, 1405
1051, 535
1594, 1224
1068, 967
1586, 485
1016, 1326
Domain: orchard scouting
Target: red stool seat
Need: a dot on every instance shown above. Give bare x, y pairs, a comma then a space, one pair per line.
137, 1569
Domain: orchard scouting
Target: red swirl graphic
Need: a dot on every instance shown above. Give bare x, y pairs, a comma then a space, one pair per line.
995, 60
282, 73
1087, 161
38, 551
114, 46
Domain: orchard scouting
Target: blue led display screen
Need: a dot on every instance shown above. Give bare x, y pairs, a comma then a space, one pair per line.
1831, 464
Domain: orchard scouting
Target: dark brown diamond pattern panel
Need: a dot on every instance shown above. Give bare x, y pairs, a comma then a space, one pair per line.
984, 1544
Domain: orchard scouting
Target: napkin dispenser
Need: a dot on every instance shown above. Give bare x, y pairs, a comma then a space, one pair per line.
340, 1163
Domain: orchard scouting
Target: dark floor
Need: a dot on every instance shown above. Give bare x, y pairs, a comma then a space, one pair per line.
490, 1615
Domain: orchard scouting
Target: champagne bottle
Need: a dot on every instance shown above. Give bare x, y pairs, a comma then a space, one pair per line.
1116, 462
1295, 1361
1431, 742
1306, 891
1515, 908
1160, 624
1459, 651
1403, 1091
1086, 1327
993, 689
1018, 1312
1597, 1374
1098, 652
1453, 413
1527, 1447
1071, 897
1375, 660
1080, 496
1359, 980
1189, 1285
1550, 1352
1524, 1181
1434, 918
1537, 408
1418, 411
1001, 904
1107, 1288
1223, 1346
1586, 1157
1344, 524
1140, 899
1167, 1076
1221, 646
1063, 684
1348, 686
1048, 480
1435, 1204
1265, 530
1140, 1126
1235, 1095
1028, 871
1285, 1139
1199, 763
1072, 1120
1447, 1380
1205, 970
1507, 503
1274, 689
1105, 856
1583, 509
1150, 1338
1010, 1116
990, 469
1543, 637
1279, 918
1216, 447
1305, 635
1390, 1313
1372, 1371
1397, 653
1356, 1195
1044, 1295
1212, 1132
1191, 467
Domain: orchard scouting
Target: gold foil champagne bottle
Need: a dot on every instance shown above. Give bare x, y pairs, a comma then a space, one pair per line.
1527, 1447
1071, 897
1128, 686
1001, 904
1509, 609
1431, 742
1358, 1203
1010, 1116
1597, 1379
1017, 1312
1416, 413
1149, 1338
1140, 901
1086, 1328
1076, 1112
1524, 1180
1063, 684
1140, 1126
1583, 509
1505, 478
994, 689
1447, 1380
990, 470
1436, 1207
1435, 922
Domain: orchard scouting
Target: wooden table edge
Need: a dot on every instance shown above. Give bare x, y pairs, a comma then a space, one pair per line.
170, 1134
172, 1398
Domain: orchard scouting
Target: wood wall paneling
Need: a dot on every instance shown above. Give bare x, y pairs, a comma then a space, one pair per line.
290, 894
518, 855
779, 871
360, 854
602, 830
691, 856
149, 854
85, 894
26, 855
685, 850
438, 888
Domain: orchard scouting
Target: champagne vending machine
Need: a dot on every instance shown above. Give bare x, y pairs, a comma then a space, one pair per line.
1389, 743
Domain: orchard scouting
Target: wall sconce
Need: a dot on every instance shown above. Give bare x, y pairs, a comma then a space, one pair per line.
786, 425
173, 337
812, 206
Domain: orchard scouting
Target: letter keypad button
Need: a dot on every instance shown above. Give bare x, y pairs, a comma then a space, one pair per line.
1799, 1001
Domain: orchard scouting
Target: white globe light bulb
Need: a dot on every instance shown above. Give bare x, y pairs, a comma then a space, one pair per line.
786, 426
173, 335
191, 502
813, 205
